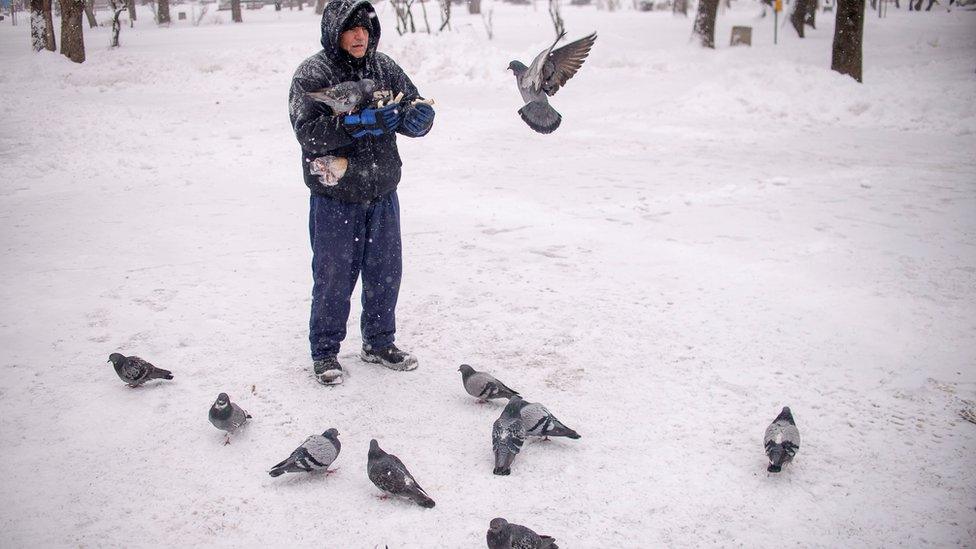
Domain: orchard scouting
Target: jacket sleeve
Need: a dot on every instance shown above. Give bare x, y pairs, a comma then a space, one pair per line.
401, 84
316, 127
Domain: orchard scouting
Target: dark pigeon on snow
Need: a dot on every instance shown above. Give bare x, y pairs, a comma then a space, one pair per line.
550, 70
346, 97
483, 385
505, 535
389, 474
226, 415
136, 371
315, 454
507, 436
539, 422
781, 441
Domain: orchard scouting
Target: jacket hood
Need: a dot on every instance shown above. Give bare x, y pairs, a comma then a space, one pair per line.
334, 17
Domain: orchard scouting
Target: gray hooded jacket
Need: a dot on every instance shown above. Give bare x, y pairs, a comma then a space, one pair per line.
374, 162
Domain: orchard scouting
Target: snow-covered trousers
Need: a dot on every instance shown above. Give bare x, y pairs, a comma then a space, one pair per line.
349, 239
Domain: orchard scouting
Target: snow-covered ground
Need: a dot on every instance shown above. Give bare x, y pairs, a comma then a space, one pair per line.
709, 236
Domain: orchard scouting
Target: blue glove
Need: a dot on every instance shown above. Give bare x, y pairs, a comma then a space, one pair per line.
418, 118
373, 121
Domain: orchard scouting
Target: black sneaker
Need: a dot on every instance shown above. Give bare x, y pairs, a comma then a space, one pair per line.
327, 371
391, 357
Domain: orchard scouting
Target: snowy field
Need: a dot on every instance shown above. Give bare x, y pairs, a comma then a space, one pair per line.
709, 236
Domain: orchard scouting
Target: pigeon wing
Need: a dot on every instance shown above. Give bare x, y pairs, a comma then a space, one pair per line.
563, 63
136, 369
534, 78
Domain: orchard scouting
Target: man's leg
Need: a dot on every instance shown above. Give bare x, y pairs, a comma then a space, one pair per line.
337, 231
382, 268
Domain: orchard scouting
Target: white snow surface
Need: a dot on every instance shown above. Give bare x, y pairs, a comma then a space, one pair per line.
709, 236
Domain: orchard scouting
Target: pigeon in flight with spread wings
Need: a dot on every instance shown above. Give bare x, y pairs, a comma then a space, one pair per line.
550, 70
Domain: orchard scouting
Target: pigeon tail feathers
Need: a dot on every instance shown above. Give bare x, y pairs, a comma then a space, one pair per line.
540, 116
160, 373
548, 542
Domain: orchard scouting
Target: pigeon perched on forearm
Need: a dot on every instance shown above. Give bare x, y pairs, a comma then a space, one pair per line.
315, 454
781, 441
136, 371
550, 70
389, 474
507, 436
505, 535
226, 415
483, 385
539, 422
346, 97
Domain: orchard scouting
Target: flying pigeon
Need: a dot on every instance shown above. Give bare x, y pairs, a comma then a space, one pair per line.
507, 436
389, 474
226, 415
539, 422
316, 453
550, 70
136, 371
483, 385
505, 535
782, 440
346, 97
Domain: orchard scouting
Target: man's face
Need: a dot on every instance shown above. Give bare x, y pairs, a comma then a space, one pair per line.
354, 41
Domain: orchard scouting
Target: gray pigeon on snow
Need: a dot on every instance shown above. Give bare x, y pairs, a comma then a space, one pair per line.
483, 385
781, 441
389, 474
539, 422
316, 453
505, 535
507, 436
346, 97
550, 70
226, 415
136, 371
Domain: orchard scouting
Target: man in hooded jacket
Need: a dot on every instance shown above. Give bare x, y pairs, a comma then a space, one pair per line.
354, 222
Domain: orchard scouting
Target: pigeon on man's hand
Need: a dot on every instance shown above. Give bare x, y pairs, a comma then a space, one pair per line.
346, 97
136, 371
227, 416
389, 474
550, 70
507, 436
483, 385
505, 535
781, 441
539, 422
316, 453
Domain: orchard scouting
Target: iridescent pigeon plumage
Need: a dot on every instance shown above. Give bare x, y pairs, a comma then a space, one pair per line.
505, 535
346, 97
315, 454
483, 385
539, 422
507, 436
781, 441
389, 474
226, 415
136, 371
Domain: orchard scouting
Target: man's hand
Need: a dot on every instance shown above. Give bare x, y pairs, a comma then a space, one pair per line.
373, 121
417, 118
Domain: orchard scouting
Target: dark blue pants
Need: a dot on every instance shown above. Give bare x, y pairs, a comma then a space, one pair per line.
349, 239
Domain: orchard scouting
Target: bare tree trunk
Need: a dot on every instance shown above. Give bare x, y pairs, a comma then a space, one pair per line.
301, 5
557, 17
72, 39
680, 6
132, 12
37, 24
319, 7
90, 14
162, 12
474, 7
423, 7
797, 16
848, 37
811, 15
235, 11
705, 22
118, 6
445, 15
49, 42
